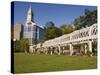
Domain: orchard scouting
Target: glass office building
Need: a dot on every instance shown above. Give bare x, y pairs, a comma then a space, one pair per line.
31, 31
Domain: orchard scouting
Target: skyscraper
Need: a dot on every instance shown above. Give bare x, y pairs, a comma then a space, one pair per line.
31, 30
18, 31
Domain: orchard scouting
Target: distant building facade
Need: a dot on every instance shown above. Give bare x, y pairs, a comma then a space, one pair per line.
40, 34
31, 31
18, 31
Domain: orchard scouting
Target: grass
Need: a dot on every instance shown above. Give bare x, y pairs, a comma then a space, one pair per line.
25, 63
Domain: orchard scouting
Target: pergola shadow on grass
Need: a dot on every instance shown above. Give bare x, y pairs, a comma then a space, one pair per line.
32, 63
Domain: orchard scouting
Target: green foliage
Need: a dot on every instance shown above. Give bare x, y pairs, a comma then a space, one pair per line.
79, 22
88, 19
52, 32
21, 45
28, 63
49, 24
66, 29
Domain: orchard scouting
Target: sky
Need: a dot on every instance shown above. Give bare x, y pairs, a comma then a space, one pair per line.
43, 12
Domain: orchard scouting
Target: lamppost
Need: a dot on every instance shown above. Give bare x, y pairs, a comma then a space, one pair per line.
14, 43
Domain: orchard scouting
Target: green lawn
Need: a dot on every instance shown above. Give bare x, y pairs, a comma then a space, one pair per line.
25, 63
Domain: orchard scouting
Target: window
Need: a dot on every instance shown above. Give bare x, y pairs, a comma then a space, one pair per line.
29, 28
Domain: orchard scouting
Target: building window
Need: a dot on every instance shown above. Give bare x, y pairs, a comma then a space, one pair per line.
29, 28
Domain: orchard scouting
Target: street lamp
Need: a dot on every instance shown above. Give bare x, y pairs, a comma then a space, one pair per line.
14, 43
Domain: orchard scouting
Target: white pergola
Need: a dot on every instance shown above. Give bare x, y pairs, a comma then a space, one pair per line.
84, 36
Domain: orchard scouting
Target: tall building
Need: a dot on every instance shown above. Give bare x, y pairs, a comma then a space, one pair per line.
18, 31
40, 34
31, 31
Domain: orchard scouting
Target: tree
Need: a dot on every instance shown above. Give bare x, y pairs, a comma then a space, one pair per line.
52, 32
49, 24
22, 45
80, 22
88, 19
66, 29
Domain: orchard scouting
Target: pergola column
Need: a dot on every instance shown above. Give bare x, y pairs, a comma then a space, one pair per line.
59, 49
85, 48
56, 50
71, 49
31, 49
90, 46
51, 51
